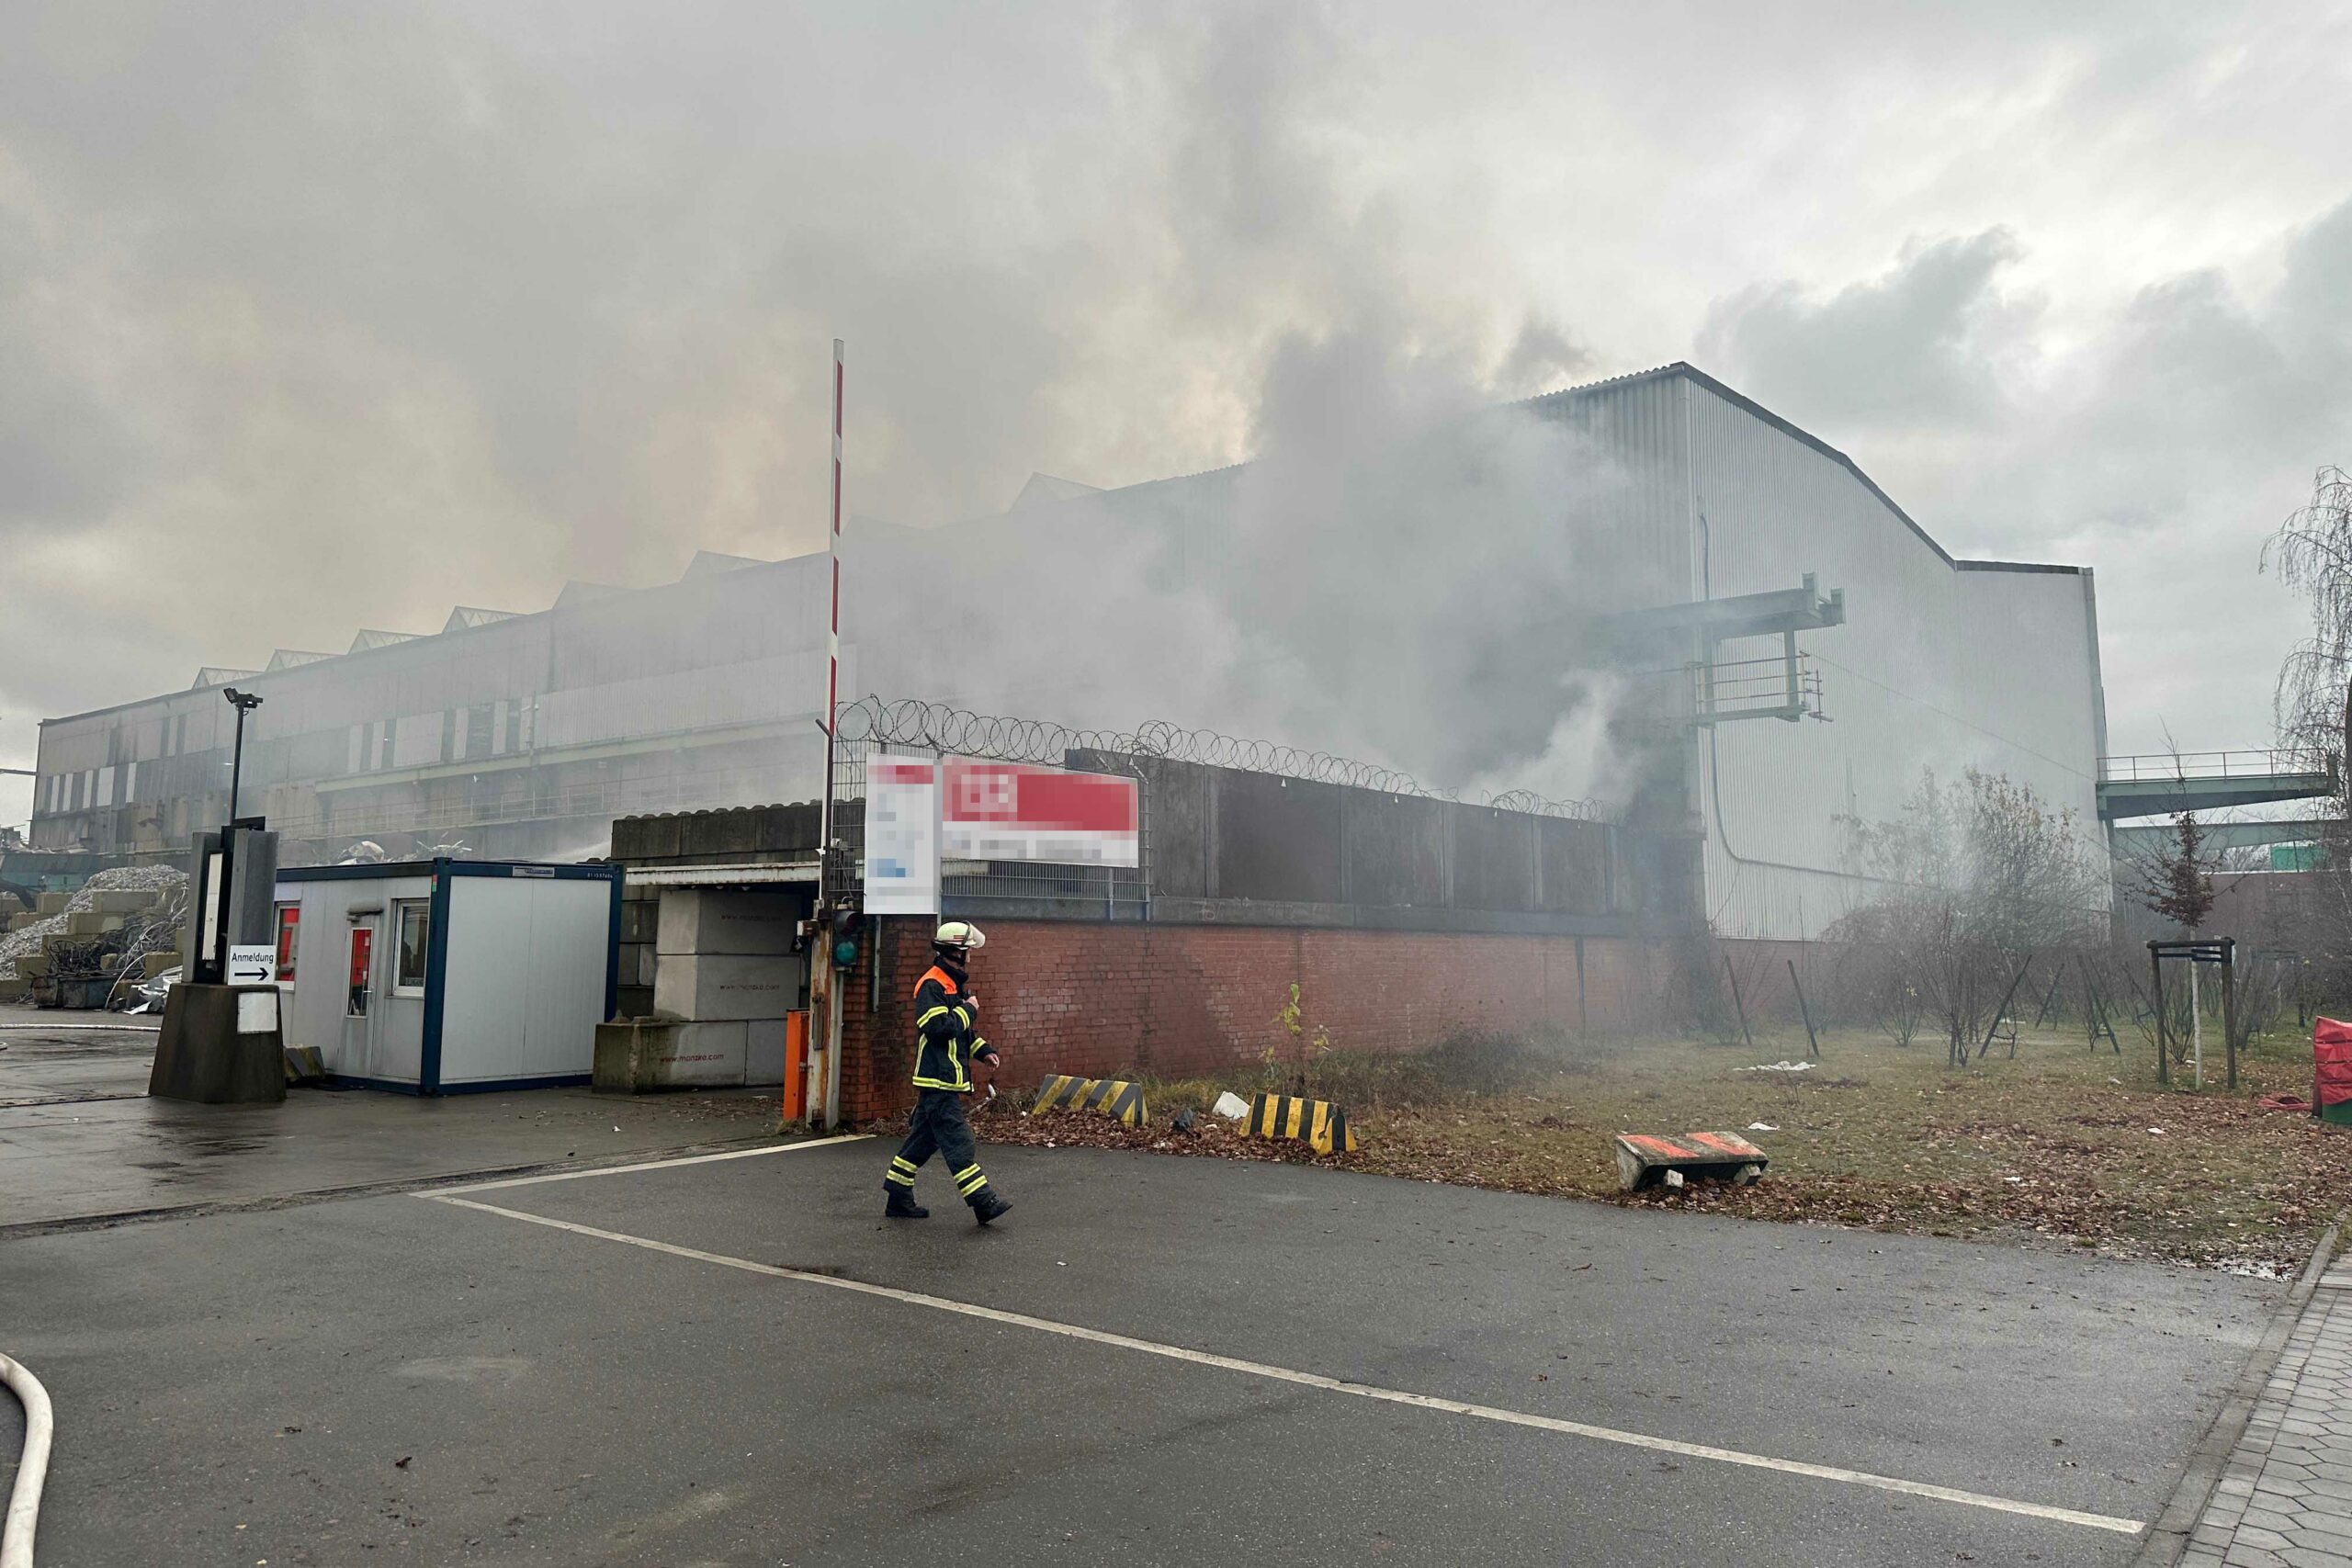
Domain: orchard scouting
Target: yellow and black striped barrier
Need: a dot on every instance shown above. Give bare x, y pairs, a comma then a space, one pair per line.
1322, 1125
1115, 1098
304, 1064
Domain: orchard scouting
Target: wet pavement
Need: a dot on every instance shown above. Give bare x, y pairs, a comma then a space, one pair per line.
81, 1140
741, 1363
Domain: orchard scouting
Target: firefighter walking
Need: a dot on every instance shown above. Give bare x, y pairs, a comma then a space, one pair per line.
948, 1042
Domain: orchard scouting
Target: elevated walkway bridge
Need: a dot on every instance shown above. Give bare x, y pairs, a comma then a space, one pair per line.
2162, 783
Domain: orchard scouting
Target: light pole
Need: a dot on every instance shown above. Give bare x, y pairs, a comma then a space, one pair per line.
245, 702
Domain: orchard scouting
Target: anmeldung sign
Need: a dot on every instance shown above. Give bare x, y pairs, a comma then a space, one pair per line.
253, 965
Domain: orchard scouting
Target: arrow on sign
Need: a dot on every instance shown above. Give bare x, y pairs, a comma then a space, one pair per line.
254, 966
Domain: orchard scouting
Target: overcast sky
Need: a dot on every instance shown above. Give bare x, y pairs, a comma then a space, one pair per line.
318, 317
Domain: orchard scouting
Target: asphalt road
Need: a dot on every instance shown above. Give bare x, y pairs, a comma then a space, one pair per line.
79, 1140
403, 1377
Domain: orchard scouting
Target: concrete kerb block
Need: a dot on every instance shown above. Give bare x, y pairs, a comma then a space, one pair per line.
1115, 1098
1320, 1125
637, 1055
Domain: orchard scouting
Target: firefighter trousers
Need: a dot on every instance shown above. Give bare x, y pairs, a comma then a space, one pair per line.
937, 1126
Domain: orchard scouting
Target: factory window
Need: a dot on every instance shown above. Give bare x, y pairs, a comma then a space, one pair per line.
415, 919
449, 734
478, 731
290, 932
384, 746
514, 726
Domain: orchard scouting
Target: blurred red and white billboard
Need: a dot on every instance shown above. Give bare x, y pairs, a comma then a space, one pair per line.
1011, 811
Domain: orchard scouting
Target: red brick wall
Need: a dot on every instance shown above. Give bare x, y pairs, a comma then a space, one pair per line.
1182, 1001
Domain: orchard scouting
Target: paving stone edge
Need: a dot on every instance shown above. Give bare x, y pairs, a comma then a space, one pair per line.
2168, 1540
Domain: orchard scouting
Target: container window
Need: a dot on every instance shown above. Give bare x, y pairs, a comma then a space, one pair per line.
289, 931
415, 928
363, 963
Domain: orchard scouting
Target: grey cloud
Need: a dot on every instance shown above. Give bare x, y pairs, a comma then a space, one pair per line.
1930, 339
2162, 447
433, 302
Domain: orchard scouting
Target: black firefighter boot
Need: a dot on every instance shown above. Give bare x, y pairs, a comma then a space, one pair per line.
987, 1206
902, 1204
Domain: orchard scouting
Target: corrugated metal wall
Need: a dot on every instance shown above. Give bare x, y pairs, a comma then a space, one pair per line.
1936, 668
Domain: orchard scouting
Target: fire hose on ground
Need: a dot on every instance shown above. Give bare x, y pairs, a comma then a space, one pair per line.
32, 1467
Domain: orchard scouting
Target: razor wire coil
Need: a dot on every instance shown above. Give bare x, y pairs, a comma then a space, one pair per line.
936, 726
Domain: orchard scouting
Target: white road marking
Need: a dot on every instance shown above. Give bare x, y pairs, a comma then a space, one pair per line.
1317, 1380
658, 1164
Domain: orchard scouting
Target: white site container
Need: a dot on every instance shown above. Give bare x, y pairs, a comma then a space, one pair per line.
444, 977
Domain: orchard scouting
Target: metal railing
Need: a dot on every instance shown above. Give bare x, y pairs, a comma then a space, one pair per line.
1787, 687
2174, 767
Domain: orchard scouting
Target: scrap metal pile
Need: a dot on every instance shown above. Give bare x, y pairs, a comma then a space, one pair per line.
77, 949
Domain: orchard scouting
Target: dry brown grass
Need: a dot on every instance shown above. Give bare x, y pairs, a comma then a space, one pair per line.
2057, 1146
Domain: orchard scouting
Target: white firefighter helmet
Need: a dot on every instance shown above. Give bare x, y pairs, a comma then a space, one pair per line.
960, 933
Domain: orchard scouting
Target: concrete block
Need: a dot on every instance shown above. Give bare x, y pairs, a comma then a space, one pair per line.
635, 1001
14, 990
54, 903
639, 838
764, 1052
122, 901
701, 920
217, 1048
33, 965
636, 1055
153, 964
734, 987
731, 830
89, 922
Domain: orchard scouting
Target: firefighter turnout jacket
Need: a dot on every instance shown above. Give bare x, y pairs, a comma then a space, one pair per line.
946, 1037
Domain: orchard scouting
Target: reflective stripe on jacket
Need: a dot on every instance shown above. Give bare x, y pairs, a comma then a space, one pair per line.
945, 1040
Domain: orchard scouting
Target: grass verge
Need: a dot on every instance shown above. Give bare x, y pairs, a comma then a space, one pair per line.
2058, 1147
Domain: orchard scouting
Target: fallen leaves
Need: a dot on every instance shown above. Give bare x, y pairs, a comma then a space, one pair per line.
2050, 1149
